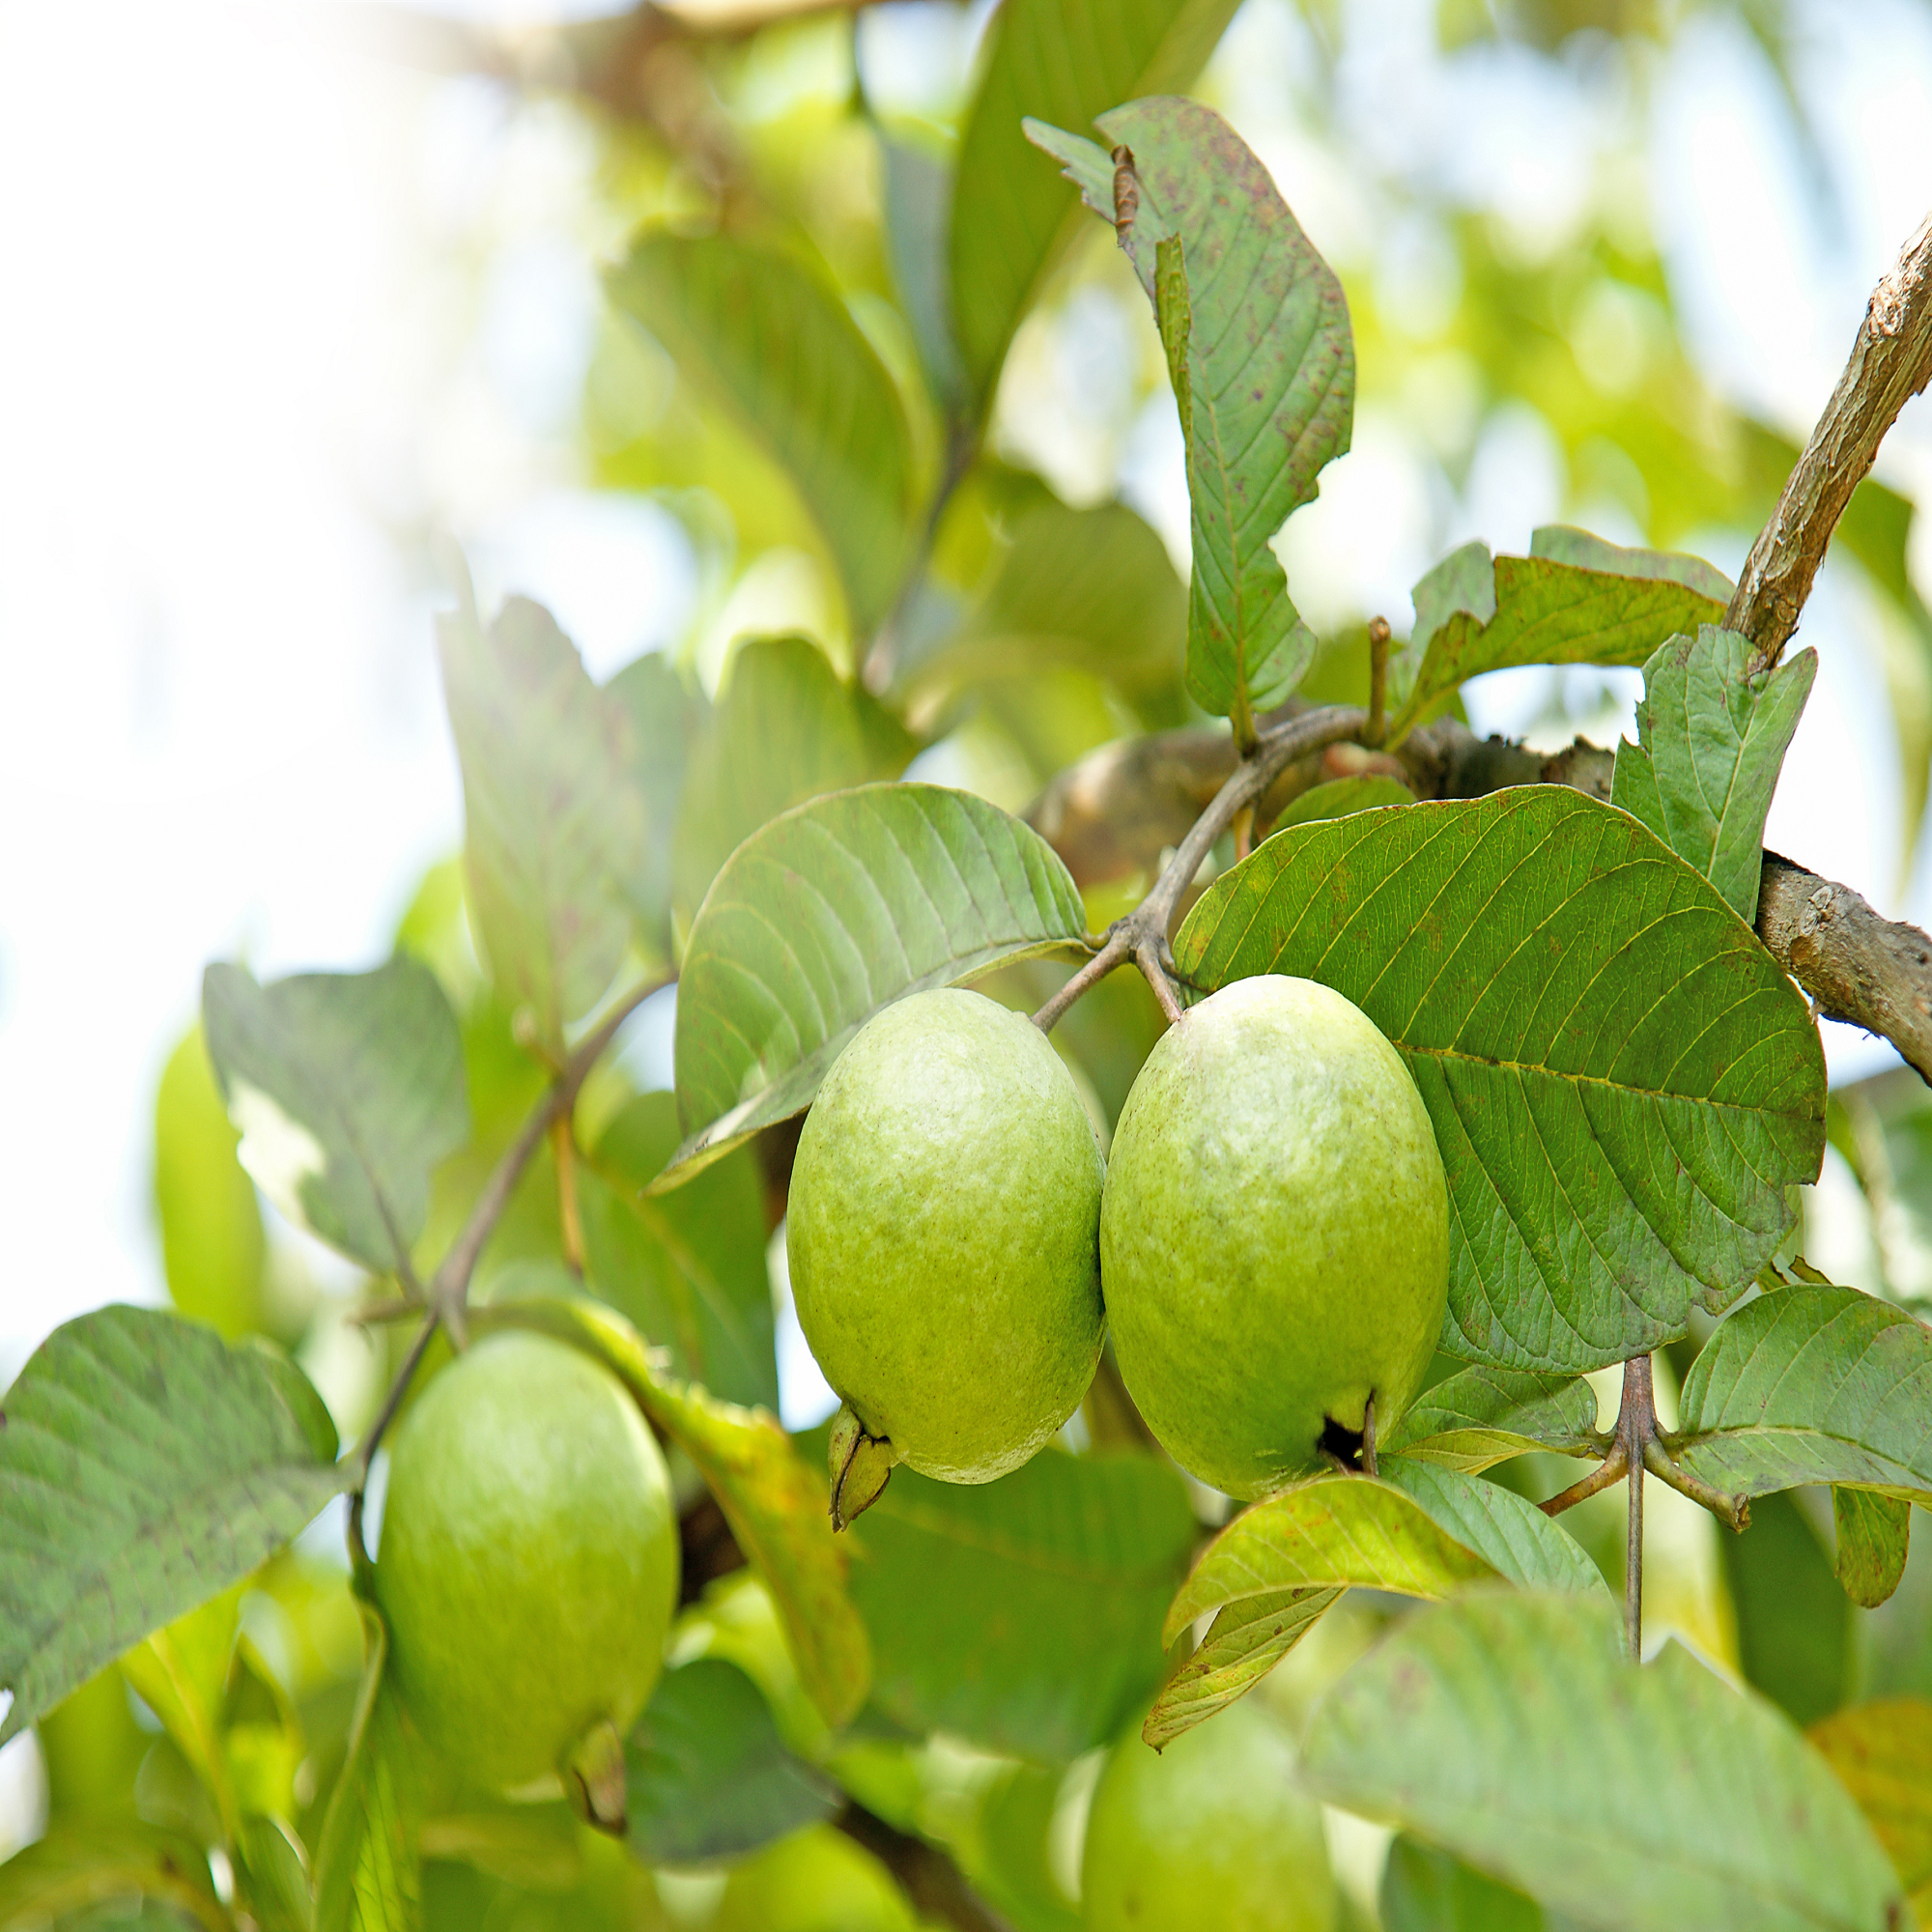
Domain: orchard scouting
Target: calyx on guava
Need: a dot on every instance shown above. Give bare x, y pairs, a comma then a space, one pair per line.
529, 1569
1274, 1241
1208, 1833
942, 1237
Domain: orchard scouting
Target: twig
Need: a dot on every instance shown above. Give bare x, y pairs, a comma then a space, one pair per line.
935, 1884
1891, 362
1611, 1470
1378, 665
372, 1441
564, 1147
1637, 1427
1727, 1508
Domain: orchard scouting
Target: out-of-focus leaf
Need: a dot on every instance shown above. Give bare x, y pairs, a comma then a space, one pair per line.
708, 1775
687, 1269
1427, 1890
211, 1244
272, 1871
74, 1867
1568, 602
1710, 745
1874, 1535
834, 910
1262, 358
776, 1507
533, 1847
1338, 798
368, 1868
1481, 1416
347, 1088
554, 828
787, 728
760, 329
1883, 1752
1244, 1642
1063, 61
1623, 1083
669, 716
1510, 1731
144, 1467
1794, 1627
1023, 1614
917, 213
1812, 1385
1508, 1531
180, 1673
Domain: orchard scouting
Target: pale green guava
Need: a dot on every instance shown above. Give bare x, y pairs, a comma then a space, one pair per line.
942, 1234
1274, 1243
528, 1564
1209, 1835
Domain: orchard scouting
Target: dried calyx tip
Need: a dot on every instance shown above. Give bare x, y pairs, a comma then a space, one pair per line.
861, 1465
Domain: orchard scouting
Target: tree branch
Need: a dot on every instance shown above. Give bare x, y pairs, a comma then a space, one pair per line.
935, 1884
1891, 362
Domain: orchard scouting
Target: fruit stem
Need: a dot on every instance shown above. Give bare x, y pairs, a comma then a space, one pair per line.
1636, 1425
1376, 730
1369, 1467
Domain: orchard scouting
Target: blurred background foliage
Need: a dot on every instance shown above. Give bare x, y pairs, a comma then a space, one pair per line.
1490, 180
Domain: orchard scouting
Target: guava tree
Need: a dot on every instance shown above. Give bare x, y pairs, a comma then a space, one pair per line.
1595, 992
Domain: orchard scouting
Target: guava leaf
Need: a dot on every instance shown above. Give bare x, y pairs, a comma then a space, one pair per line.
347, 1088
368, 1871
916, 209
1623, 1083
669, 717
1874, 1537
1482, 1415
145, 1465
1883, 1754
833, 911
1320, 1533
1795, 1628
708, 1775
770, 339
1263, 360
1573, 600
688, 1269
179, 1672
776, 1506
75, 1867
786, 727
1811, 1385
1508, 1531
1424, 1890
1510, 1730
1065, 60
1710, 745
1022, 1614
1338, 798
1245, 1641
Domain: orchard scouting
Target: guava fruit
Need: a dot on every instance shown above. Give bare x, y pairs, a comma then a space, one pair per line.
1208, 1833
528, 1565
942, 1235
1274, 1243
814, 1881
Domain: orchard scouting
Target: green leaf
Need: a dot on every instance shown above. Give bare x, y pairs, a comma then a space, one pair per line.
1883, 1753
787, 728
1874, 1535
708, 1775
347, 1088
1338, 798
555, 836
1091, 589
1510, 1731
918, 201
687, 1269
1327, 1532
77, 1867
1482, 1415
770, 338
1508, 1531
368, 1871
1794, 1627
1812, 1385
211, 1243
180, 1673
1710, 745
1623, 1083
1063, 61
669, 716
144, 1467
1257, 332
776, 1506
1023, 1614
1568, 602
1244, 1642
832, 912
1427, 1890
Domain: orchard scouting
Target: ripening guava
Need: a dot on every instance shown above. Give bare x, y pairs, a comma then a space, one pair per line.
1208, 1833
814, 1881
1275, 1240
942, 1234
528, 1564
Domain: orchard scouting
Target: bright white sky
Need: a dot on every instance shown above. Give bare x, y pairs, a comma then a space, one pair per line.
241, 340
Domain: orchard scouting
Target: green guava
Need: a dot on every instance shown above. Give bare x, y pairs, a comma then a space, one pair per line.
1274, 1243
814, 1881
528, 1564
942, 1235
1208, 1833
